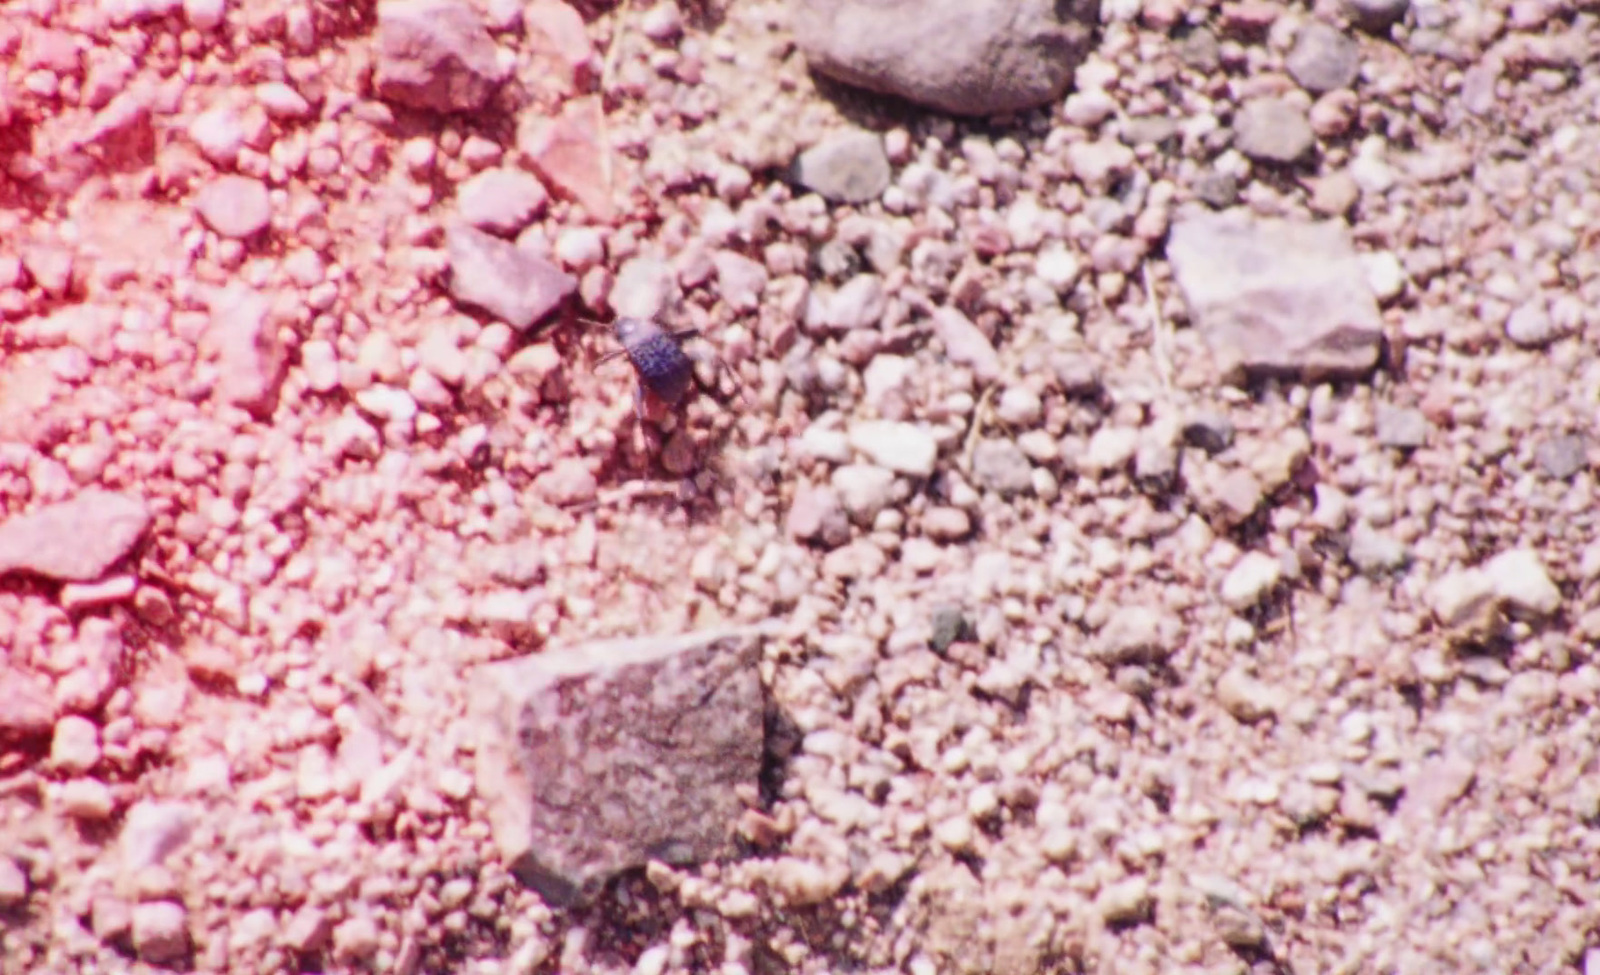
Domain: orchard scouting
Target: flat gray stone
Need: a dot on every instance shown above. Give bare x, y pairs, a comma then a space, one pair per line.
966, 57
599, 758
1276, 296
496, 275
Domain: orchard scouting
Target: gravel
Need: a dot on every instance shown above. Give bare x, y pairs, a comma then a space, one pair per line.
1169, 501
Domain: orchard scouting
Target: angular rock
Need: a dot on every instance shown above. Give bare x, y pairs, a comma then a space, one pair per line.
847, 167
510, 283
234, 206
568, 154
904, 448
1376, 15
1250, 580
1275, 296
1562, 457
1324, 59
1001, 466
1520, 579
75, 540
152, 830
1401, 428
965, 344
160, 931
602, 757
817, 515
1271, 130
29, 710
966, 57
244, 342
502, 200
435, 55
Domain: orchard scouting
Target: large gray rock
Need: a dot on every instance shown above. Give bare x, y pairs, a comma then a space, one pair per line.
966, 57
1276, 296
602, 757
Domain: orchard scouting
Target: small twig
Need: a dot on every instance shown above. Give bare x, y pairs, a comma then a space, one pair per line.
1159, 334
971, 445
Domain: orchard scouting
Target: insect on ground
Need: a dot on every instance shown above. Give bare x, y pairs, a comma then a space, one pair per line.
665, 368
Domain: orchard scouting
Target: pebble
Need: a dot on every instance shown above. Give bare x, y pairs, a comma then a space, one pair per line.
355, 939
846, 167
1126, 902
160, 931
1562, 457
1519, 577
1246, 698
75, 749
569, 482
152, 831
218, 134
1110, 449
1250, 580
501, 200
965, 344
817, 514
864, 490
1271, 130
858, 303
1001, 466
1401, 428
1530, 325
86, 799
904, 448
1462, 599
13, 884
1376, 16
662, 22
204, 15
740, 280
1211, 432
944, 523
236, 207
1059, 268
1375, 553
281, 101
1323, 58
1019, 407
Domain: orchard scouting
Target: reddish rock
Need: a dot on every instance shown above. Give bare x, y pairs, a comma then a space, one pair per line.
568, 155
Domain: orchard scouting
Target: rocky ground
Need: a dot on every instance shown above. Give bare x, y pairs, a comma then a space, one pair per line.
1175, 499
